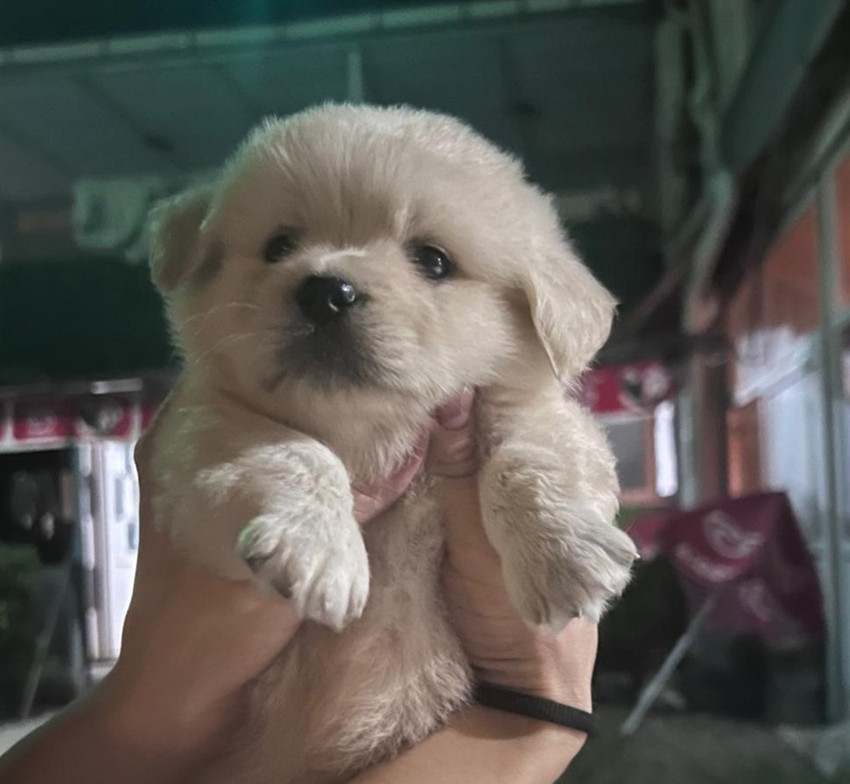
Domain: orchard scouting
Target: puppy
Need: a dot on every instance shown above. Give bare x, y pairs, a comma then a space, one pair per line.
351, 269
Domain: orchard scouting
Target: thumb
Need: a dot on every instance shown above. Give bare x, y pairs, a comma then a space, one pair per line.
454, 457
453, 450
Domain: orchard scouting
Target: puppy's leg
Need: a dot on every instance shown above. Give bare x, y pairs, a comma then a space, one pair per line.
250, 498
549, 498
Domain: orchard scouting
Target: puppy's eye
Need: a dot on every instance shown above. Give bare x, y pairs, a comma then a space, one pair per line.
278, 246
434, 263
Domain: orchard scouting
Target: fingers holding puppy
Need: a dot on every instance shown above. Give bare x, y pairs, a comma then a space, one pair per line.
454, 449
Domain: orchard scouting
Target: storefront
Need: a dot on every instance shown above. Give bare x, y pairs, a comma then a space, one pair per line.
788, 423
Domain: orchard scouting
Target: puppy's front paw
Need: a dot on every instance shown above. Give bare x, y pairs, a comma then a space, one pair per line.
561, 558
576, 575
320, 565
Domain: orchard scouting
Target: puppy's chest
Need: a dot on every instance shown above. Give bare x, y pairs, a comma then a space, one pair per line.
390, 678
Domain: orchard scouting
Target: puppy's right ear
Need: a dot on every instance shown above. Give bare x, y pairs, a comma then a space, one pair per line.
175, 234
572, 312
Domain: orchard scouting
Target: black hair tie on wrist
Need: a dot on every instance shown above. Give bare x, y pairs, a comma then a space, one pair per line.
490, 696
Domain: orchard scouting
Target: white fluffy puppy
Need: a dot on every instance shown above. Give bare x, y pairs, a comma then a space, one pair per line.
351, 269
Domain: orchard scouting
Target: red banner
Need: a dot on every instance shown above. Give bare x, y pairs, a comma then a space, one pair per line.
106, 416
41, 419
52, 420
626, 389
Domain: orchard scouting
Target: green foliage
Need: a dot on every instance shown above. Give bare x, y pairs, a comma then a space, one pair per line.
17, 568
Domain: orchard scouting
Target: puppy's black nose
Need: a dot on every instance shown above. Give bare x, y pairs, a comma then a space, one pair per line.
324, 298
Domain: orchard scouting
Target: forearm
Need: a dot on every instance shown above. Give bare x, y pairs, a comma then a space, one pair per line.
90, 743
484, 745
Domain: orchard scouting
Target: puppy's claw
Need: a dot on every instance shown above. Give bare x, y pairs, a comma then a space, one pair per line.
325, 578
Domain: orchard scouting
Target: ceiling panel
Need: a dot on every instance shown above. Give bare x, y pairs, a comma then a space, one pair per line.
190, 107
593, 83
456, 74
63, 119
591, 87
284, 83
572, 95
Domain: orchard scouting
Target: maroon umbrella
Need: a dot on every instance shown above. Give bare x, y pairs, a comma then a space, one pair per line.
748, 557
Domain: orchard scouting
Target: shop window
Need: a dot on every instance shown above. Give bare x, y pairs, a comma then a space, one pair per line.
845, 423
842, 188
742, 321
632, 442
744, 459
634, 404
774, 426
776, 309
645, 449
790, 279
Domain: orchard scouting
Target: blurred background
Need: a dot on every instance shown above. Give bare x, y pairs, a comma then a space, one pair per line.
700, 154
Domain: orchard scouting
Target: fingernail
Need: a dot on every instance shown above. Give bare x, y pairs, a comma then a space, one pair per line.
455, 414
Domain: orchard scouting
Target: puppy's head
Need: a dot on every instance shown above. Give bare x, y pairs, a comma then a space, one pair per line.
354, 251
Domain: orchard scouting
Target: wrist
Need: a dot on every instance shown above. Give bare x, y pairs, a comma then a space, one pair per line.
545, 674
535, 750
550, 686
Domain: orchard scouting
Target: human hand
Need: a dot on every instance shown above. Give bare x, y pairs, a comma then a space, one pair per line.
501, 647
372, 498
479, 743
193, 641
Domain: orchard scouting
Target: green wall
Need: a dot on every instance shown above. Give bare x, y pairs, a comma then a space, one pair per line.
81, 318
64, 319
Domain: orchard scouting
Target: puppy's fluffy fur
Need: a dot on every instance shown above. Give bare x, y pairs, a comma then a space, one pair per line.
274, 416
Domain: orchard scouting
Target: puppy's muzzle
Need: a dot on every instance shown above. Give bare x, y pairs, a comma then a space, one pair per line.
325, 298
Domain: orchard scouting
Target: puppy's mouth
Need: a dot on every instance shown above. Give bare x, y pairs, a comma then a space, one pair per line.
330, 355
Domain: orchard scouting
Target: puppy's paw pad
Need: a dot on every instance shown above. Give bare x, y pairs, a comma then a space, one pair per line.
326, 578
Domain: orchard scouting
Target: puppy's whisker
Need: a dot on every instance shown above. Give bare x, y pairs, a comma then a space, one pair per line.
221, 306
228, 340
205, 316
295, 332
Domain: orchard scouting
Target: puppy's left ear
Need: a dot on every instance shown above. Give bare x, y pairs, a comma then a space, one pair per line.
572, 312
175, 236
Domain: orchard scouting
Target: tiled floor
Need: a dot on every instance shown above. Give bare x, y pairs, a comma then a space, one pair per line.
692, 749
12, 732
